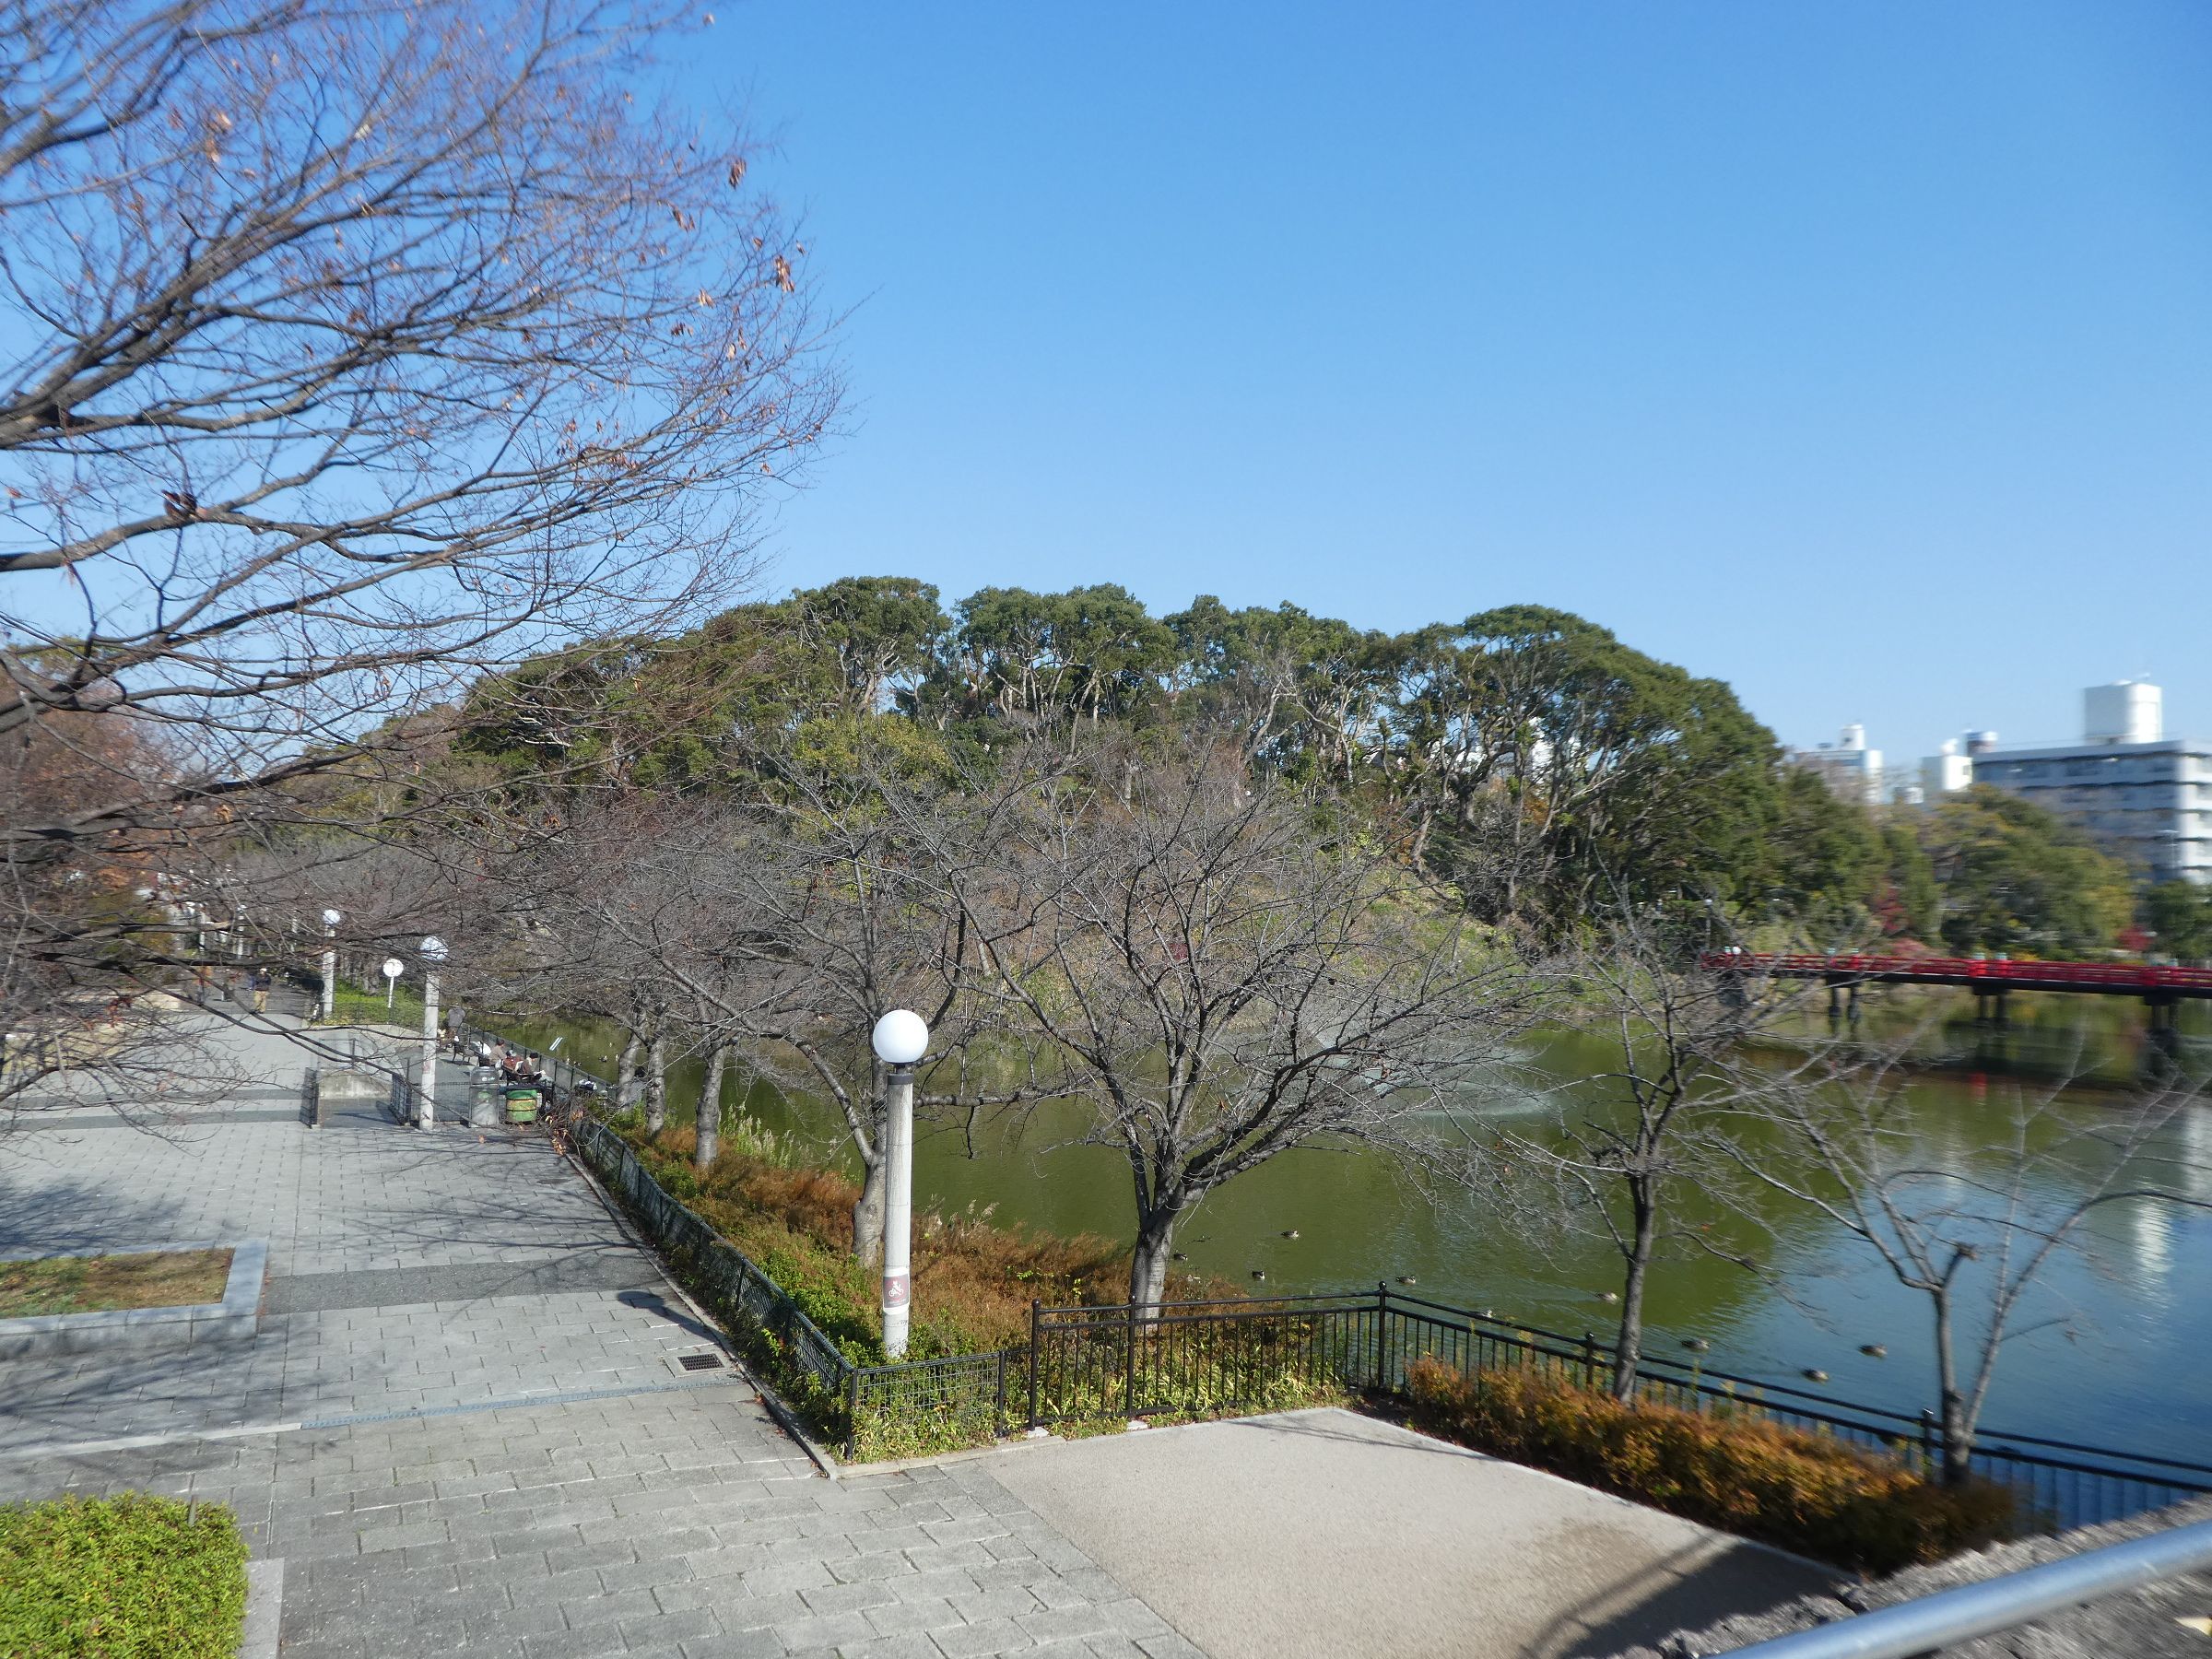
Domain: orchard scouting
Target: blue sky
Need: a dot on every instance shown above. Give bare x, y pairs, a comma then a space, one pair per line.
1860, 355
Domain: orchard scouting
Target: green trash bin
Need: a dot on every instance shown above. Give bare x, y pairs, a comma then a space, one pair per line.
522, 1105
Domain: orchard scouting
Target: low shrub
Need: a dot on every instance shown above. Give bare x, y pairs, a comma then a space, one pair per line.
128, 1576
1807, 1492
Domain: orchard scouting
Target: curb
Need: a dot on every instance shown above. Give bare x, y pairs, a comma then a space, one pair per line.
787, 1420
265, 1610
234, 1317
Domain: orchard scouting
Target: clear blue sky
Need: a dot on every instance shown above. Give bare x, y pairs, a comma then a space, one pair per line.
1859, 354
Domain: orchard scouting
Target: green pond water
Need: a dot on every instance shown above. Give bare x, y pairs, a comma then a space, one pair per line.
2120, 1352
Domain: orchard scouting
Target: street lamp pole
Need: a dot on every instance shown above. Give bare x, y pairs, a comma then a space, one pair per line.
901, 1039
433, 955
330, 919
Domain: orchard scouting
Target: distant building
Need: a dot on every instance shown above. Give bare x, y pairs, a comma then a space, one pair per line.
2148, 796
1948, 770
1850, 770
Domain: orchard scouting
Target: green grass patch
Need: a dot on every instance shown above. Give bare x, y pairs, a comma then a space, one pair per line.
128, 1576
1732, 1468
351, 1006
165, 1278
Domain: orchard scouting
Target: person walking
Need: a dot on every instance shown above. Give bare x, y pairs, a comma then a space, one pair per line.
262, 981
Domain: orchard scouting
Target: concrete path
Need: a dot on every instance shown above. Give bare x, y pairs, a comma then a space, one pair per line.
1325, 1533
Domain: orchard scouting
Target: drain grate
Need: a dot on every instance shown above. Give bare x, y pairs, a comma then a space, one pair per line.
697, 1362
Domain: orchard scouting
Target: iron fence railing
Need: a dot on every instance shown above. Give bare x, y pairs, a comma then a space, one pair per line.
1252, 1355
1267, 1353
746, 1294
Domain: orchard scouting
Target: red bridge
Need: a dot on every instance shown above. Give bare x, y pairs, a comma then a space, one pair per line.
2162, 988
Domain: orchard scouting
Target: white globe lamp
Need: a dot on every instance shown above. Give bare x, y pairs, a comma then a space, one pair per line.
901, 1037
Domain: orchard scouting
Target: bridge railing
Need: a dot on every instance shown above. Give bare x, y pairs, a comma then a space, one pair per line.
2139, 976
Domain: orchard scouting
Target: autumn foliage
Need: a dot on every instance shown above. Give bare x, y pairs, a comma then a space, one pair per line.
1734, 1469
973, 1279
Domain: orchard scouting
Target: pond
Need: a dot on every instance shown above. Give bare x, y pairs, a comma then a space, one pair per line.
2120, 1352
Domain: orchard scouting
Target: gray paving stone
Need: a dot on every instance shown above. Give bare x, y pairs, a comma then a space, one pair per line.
826, 1629
668, 1519
1077, 1621
736, 1644
585, 1611
849, 1598
1010, 1602
984, 1637
906, 1645
932, 1614
671, 1627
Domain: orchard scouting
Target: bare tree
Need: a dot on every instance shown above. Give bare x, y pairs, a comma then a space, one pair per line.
348, 351
611, 911
1639, 1134
1971, 1228
1222, 974
843, 905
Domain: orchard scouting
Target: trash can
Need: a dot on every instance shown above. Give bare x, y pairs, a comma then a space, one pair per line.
483, 1098
522, 1105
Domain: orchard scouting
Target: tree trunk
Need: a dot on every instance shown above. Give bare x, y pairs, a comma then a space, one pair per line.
1628, 1350
1149, 1261
656, 1084
1958, 1432
626, 1073
867, 1215
709, 1111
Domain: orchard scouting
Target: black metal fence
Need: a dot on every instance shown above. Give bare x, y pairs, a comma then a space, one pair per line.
1200, 1357
731, 1279
1255, 1354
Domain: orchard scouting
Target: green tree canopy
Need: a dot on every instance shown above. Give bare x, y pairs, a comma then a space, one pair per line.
2179, 913
2019, 879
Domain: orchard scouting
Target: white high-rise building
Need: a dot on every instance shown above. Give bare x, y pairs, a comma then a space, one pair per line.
1850, 770
2147, 795
1947, 772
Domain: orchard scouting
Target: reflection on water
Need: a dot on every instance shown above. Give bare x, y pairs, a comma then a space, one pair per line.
2116, 1339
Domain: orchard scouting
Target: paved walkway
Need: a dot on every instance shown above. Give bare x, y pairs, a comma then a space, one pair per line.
459, 1428
462, 1427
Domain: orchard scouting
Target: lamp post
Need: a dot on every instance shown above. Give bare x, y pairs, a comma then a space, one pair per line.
433, 954
901, 1039
330, 919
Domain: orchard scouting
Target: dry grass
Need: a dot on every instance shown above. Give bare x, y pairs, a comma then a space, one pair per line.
1735, 1470
973, 1279
170, 1278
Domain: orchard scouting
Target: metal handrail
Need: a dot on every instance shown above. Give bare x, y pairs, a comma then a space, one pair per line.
1661, 1367
1935, 1622
2142, 976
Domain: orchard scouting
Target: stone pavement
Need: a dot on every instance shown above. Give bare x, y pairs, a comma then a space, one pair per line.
460, 1428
